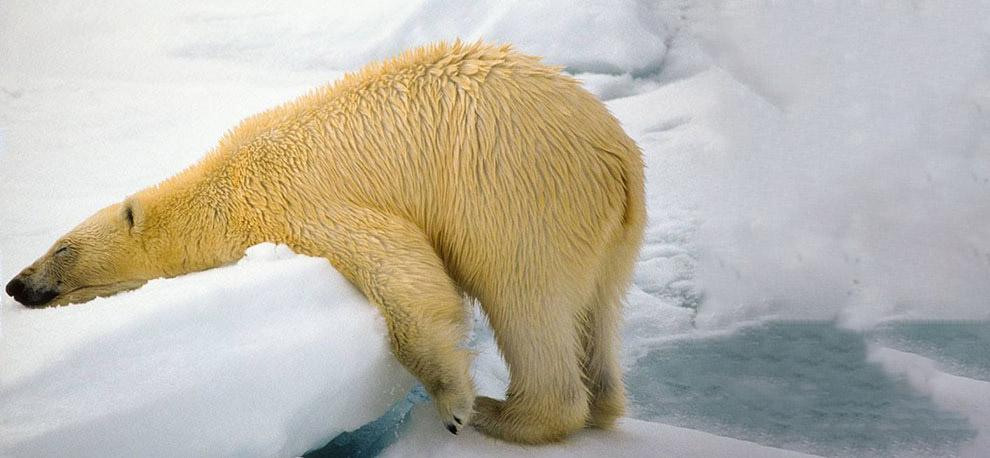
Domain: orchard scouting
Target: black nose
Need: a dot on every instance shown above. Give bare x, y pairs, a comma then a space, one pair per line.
29, 296
15, 287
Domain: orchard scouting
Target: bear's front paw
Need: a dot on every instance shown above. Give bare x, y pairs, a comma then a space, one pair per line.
455, 407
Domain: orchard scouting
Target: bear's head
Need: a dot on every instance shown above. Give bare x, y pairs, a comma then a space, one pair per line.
106, 254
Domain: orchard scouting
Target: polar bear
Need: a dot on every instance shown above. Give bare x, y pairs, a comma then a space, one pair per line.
451, 170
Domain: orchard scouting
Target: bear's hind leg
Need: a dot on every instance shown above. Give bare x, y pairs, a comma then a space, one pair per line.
392, 262
546, 398
603, 322
603, 372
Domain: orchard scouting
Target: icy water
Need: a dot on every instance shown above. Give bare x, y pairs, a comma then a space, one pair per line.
804, 386
808, 386
372, 438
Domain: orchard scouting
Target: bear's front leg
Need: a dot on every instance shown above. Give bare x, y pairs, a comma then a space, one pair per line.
392, 262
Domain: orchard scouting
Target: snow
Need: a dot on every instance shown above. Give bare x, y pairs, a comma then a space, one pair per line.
815, 161
272, 356
839, 161
632, 438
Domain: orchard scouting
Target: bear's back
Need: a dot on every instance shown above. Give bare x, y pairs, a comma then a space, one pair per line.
496, 156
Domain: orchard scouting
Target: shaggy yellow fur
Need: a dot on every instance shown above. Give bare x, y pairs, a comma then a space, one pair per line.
452, 169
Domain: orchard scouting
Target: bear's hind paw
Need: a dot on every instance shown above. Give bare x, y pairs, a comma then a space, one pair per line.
513, 421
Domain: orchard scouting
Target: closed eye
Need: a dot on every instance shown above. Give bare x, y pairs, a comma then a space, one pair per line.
61, 250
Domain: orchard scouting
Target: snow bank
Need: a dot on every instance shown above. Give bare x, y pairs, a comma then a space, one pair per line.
833, 155
272, 356
426, 437
855, 178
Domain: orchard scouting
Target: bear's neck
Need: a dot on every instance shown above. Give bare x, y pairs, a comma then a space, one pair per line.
228, 202
200, 223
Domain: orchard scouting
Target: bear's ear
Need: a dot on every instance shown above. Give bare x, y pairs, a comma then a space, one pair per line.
132, 213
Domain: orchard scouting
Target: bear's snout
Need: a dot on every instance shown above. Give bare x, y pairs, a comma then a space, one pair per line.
21, 292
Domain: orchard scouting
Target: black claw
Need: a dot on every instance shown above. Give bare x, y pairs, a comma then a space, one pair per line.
451, 428
458, 421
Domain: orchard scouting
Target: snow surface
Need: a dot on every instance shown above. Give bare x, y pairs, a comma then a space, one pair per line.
819, 160
269, 357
